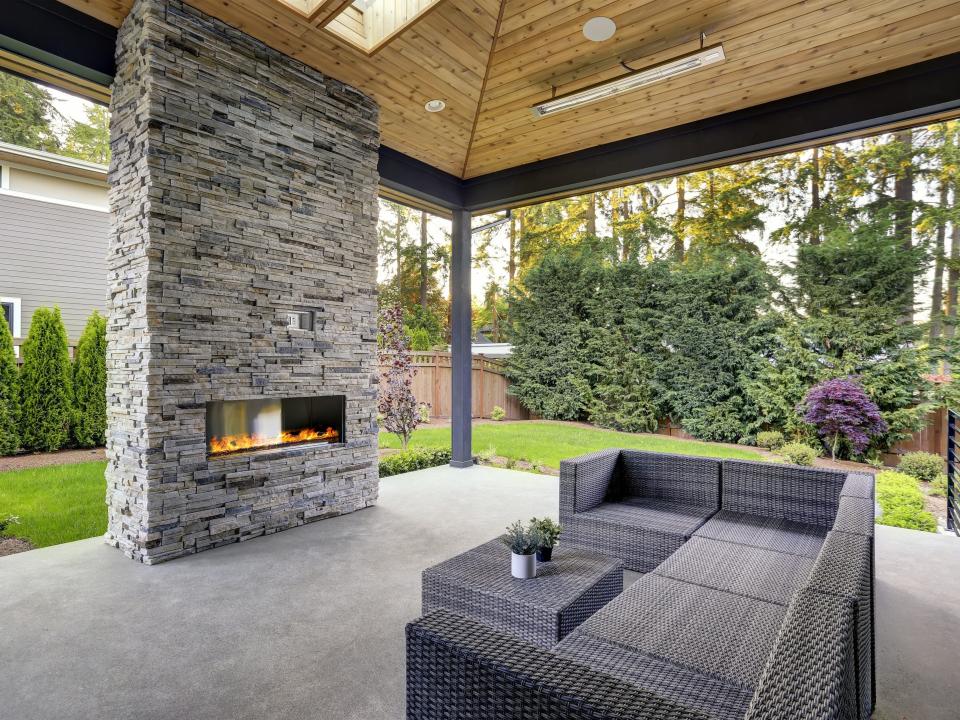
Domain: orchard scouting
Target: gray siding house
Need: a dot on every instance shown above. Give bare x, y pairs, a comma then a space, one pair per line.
54, 222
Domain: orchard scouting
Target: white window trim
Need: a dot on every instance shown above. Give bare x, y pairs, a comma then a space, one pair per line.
16, 314
4, 177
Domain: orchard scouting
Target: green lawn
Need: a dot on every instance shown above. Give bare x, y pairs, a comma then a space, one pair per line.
56, 504
543, 443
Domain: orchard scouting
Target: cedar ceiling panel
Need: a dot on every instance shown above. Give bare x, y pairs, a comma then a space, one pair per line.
774, 49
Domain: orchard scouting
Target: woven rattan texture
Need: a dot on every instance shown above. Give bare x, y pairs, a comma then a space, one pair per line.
845, 568
811, 672
458, 669
676, 478
754, 572
585, 481
713, 696
728, 636
807, 495
764, 532
544, 609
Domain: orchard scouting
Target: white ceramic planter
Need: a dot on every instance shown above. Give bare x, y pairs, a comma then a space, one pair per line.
523, 566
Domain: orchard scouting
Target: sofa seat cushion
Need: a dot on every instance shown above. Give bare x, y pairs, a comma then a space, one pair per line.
712, 696
785, 536
651, 514
708, 631
642, 532
751, 571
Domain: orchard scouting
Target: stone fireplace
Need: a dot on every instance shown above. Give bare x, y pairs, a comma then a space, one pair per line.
242, 289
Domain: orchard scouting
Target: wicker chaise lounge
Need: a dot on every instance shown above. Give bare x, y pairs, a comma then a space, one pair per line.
764, 614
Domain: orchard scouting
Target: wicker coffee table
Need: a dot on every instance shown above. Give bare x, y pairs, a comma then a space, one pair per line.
542, 610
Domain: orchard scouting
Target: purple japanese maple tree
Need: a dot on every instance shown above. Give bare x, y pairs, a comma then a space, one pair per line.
399, 411
841, 409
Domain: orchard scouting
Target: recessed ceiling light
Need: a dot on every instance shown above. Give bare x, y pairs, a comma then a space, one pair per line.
434, 105
599, 29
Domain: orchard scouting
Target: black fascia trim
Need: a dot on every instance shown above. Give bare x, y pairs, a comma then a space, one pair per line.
57, 35
913, 91
418, 179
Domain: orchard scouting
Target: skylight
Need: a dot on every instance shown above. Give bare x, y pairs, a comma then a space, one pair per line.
370, 24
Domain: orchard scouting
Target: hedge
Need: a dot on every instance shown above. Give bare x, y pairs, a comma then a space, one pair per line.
9, 400
413, 459
901, 501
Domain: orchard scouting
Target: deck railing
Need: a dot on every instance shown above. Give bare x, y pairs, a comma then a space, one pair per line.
953, 502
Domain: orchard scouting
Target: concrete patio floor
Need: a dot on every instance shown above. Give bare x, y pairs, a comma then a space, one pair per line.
309, 623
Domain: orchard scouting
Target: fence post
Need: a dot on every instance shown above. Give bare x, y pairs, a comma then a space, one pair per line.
951, 470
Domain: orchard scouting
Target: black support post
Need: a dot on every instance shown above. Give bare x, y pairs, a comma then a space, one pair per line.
461, 361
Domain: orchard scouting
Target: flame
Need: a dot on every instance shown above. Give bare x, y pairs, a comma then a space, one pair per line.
233, 443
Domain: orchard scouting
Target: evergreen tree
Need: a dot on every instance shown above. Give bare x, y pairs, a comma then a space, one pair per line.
90, 384
45, 383
90, 140
9, 396
25, 114
550, 363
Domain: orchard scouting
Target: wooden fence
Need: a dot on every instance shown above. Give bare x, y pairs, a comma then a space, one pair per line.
432, 382
932, 439
18, 344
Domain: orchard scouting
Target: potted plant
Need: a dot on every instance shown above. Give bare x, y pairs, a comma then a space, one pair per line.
523, 541
549, 532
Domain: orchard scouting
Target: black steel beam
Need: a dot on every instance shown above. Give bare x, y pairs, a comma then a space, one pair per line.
56, 35
461, 352
412, 177
912, 92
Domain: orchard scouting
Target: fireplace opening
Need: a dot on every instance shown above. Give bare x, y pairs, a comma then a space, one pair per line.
242, 425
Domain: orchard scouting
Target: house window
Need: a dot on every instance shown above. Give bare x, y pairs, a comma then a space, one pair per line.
11, 312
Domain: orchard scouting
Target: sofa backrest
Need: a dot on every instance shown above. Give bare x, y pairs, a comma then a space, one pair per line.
677, 478
800, 494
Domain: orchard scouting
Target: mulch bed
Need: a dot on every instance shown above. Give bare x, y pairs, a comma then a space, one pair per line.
12, 545
63, 457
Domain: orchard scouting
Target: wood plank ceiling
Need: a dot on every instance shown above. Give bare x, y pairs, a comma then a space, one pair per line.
491, 60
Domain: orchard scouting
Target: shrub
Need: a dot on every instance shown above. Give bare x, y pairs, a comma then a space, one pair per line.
498, 413
772, 439
45, 383
420, 340
9, 400
841, 410
901, 501
921, 465
939, 486
797, 453
413, 459
90, 384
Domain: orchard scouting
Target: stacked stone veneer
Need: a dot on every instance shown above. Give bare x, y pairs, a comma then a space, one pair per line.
243, 186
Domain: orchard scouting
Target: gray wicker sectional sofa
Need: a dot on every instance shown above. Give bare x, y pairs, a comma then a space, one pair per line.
762, 609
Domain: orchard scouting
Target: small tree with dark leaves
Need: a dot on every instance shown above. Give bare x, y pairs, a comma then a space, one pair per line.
840, 410
399, 411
